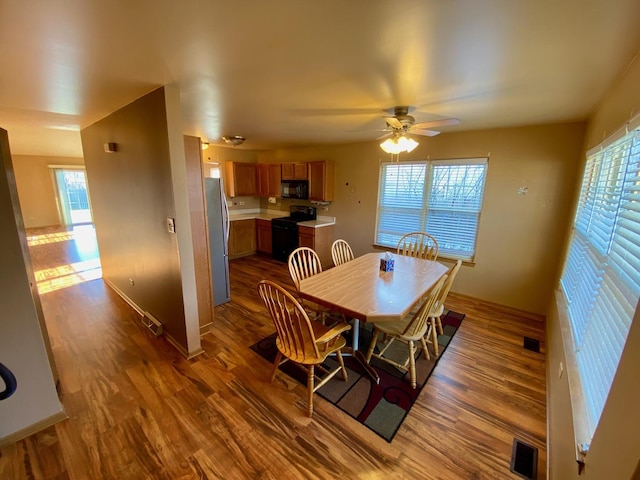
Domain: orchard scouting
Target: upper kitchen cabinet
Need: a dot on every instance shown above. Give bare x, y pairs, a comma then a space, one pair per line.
242, 179
269, 177
321, 181
294, 171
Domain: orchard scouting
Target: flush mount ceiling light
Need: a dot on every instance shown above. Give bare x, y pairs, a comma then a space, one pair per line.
234, 140
398, 144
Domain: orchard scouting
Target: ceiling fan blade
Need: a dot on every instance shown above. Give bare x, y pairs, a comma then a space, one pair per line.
393, 122
335, 111
438, 123
374, 130
426, 133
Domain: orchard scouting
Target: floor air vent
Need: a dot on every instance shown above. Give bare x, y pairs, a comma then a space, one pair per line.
524, 460
532, 344
152, 323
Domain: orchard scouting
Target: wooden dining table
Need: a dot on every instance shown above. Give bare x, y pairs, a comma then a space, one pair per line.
360, 290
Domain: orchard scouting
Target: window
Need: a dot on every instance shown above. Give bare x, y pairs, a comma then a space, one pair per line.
72, 195
212, 169
601, 276
442, 198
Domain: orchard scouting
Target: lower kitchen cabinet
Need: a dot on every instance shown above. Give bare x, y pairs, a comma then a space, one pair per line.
242, 238
320, 239
263, 230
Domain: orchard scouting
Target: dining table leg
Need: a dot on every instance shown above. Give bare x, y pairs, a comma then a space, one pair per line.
358, 355
356, 334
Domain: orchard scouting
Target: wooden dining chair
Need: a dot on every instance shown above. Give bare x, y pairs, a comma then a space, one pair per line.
435, 325
301, 340
341, 252
419, 245
303, 263
406, 331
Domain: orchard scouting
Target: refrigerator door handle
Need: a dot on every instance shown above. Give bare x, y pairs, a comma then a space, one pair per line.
225, 219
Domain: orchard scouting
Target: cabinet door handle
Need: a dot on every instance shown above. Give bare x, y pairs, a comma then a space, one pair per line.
9, 380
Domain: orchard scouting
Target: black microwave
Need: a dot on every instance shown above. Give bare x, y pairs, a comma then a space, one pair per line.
295, 189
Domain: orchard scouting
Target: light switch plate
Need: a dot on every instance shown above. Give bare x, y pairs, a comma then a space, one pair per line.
171, 225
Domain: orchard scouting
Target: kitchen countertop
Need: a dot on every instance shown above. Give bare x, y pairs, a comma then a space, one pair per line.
320, 221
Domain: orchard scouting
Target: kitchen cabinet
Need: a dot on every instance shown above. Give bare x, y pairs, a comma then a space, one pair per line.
320, 239
263, 231
294, 171
242, 238
242, 179
269, 178
321, 181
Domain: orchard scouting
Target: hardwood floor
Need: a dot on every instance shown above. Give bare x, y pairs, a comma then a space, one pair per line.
137, 409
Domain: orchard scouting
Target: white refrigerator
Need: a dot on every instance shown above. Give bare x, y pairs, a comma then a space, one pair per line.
218, 224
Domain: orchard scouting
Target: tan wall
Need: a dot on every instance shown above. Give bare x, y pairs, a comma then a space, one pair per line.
520, 237
132, 196
36, 188
615, 448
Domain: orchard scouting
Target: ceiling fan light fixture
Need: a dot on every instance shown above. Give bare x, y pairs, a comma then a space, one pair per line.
398, 144
234, 140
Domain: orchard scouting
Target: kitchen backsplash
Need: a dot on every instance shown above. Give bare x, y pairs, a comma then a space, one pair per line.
283, 204
244, 203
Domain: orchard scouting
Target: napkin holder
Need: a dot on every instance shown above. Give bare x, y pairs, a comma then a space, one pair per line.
386, 265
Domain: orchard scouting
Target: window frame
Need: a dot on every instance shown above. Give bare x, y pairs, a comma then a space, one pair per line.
429, 165
594, 198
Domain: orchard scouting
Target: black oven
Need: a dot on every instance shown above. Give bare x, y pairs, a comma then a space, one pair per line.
284, 230
295, 189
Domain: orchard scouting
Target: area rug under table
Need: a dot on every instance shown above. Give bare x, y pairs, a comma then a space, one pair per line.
381, 407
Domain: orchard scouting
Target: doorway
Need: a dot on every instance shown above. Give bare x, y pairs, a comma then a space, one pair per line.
73, 196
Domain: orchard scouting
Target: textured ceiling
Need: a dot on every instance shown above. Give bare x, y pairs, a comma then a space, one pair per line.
294, 72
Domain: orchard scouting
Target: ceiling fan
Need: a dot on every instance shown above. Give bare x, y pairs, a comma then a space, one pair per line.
402, 123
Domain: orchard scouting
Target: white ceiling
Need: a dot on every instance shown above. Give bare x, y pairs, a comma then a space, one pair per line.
296, 72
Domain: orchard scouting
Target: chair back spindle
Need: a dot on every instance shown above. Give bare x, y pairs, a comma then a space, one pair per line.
418, 245
341, 252
417, 327
303, 263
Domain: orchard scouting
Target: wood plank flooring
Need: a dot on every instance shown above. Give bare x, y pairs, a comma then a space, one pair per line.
139, 410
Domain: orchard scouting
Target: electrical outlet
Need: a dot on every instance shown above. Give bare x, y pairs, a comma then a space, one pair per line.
131, 282
241, 203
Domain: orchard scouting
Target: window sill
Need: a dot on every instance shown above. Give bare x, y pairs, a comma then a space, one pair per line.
466, 263
578, 407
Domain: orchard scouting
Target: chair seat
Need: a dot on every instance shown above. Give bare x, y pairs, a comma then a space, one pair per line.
395, 328
437, 310
318, 331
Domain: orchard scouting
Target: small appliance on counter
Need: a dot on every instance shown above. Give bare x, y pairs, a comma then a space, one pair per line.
284, 230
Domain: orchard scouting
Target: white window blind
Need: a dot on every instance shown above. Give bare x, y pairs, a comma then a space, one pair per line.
601, 277
442, 198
